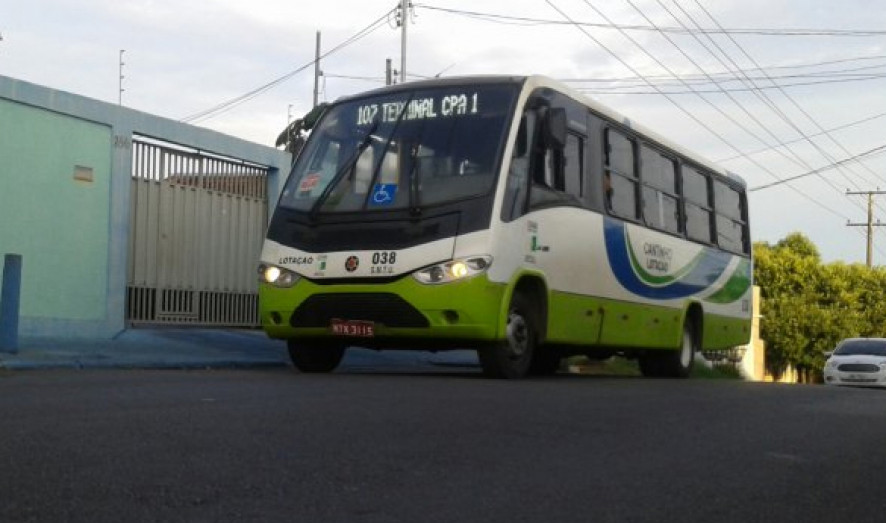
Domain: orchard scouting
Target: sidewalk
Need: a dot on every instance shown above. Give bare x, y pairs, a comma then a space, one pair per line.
195, 348
151, 348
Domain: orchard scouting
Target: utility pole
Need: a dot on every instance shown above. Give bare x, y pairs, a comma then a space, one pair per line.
120, 81
404, 21
317, 71
870, 223
389, 72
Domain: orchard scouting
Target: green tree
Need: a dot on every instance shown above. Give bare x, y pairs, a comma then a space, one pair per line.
808, 307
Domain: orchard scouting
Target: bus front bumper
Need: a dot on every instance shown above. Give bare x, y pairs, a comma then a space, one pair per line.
402, 314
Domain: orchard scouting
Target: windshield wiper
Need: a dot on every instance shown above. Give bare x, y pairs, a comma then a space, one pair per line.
381, 157
339, 174
414, 182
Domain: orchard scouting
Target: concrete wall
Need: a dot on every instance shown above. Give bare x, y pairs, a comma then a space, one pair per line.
65, 165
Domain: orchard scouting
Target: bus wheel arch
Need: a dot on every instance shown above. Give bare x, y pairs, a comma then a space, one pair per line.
524, 324
677, 363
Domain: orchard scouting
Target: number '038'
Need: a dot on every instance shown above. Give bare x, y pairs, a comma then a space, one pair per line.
384, 258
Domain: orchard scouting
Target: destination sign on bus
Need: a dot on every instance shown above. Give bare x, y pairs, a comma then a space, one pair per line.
419, 109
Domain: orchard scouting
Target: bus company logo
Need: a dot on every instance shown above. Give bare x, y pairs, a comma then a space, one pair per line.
352, 263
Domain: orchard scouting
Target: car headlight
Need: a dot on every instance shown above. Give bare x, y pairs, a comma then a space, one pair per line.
277, 276
453, 270
830, 363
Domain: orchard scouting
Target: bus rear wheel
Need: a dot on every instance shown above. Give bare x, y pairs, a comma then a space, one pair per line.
315, 358
512, 358
672, 363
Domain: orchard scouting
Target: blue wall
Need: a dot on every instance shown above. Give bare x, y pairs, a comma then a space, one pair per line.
65, 164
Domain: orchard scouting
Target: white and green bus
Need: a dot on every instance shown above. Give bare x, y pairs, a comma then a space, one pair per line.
511, 215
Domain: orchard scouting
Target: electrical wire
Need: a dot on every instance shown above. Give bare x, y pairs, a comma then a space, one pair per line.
832, 129
793, 102
867, 154
794, 157
374, 79
784, 117
634, 89
233, 102
797, 159
684, 110
521, 20
743, 76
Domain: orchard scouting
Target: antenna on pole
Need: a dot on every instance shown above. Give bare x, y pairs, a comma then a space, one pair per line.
120, 82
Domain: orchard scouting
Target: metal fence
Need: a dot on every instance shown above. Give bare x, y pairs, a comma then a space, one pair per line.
197, 225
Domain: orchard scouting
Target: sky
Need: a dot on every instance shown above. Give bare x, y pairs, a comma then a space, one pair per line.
781, 89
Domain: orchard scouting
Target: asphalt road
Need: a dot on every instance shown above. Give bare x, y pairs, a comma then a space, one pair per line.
434, 445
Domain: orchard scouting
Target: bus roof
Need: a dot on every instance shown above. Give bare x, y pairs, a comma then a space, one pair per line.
538, 81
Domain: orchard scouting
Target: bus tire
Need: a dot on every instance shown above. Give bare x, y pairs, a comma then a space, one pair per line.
512, 358
672, 363
315, 358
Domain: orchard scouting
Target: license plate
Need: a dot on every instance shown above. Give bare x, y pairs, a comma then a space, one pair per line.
365, 329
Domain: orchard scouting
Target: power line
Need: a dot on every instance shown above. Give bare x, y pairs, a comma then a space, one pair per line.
521, 20
832, 129
730, 74
628, 89
700, 68
727, 76
746, 80
814, 144
798, 160
683, 109
867, 154
233, 102
376, 79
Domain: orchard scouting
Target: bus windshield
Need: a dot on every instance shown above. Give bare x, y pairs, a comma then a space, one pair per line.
406, 149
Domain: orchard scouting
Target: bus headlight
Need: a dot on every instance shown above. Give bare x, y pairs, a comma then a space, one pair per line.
453, 270
277, 276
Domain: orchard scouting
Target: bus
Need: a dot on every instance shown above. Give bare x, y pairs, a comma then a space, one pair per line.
508, 215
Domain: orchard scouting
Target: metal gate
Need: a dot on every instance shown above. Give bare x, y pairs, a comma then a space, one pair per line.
197, 225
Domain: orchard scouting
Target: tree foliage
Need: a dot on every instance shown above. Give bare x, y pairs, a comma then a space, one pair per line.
808, 306
294, 136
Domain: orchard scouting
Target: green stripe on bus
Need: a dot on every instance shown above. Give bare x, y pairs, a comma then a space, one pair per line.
736, 286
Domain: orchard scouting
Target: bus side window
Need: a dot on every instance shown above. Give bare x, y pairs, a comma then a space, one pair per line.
730, 219
661, 205
620, 175
697, 205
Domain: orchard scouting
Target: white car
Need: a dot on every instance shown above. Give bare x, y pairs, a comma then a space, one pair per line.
859, 362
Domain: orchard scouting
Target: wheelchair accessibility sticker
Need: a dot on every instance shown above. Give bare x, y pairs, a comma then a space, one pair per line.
383, 194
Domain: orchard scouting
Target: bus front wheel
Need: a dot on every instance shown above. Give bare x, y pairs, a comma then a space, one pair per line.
315, 358
672, 363
512, 358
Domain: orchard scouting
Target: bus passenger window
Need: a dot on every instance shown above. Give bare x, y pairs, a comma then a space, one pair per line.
620, 175
697, 205
658, 174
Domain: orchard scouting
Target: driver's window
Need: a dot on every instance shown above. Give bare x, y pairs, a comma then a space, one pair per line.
515, 191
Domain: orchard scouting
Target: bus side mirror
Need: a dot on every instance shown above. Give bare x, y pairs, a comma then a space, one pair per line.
554, 132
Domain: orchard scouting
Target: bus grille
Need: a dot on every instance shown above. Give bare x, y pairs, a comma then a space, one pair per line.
384, 308
858, 367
